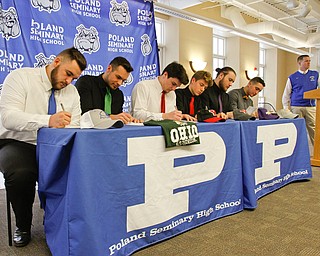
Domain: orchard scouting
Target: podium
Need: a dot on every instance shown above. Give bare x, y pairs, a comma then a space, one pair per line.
315, 94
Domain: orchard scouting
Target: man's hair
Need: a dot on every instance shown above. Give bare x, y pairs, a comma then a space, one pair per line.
225, 71
74, 54
300, 58
257, 80
205, 75
176, 70
120, 61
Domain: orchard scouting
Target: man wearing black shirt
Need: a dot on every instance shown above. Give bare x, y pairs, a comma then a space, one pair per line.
216, 97
188, 99
102, 92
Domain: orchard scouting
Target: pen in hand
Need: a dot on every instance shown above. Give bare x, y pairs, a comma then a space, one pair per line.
62, 106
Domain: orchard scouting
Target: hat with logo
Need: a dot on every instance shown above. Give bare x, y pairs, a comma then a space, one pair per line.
286, 113
265, 115
98, 119
208, 116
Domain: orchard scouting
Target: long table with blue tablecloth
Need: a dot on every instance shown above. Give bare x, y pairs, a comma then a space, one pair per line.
112, 192
273, 154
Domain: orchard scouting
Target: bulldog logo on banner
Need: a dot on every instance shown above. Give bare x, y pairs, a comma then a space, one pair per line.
9, 23
87, 40
42, 60
47, 5
119, 13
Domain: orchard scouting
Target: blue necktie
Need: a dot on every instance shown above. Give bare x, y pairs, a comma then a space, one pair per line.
52, 104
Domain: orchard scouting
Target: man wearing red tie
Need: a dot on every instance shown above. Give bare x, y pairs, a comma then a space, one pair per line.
188, 100
155, 99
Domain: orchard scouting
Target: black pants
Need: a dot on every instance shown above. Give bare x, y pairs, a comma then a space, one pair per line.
19, 166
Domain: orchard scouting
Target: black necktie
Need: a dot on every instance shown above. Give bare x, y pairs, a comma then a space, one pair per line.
220, 103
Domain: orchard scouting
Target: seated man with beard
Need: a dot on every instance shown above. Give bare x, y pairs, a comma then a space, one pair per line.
216, 97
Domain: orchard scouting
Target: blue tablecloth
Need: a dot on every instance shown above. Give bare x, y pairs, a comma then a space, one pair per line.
112, 192
273, 153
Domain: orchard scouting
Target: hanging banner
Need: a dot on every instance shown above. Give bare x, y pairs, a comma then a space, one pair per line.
32, 32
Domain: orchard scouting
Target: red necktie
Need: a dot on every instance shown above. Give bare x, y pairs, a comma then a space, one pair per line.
191, 106
163, 102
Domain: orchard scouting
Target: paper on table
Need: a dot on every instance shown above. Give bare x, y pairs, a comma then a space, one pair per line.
250, 110
132, 123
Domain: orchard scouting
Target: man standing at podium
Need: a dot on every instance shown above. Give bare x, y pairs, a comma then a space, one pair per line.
299, 82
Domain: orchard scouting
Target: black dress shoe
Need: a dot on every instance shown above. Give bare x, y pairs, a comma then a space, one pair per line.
21, 238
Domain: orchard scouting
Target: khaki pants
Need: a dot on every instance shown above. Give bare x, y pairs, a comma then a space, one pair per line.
309, 114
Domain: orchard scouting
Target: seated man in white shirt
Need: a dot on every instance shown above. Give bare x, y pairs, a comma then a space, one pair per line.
33, 98
155, 99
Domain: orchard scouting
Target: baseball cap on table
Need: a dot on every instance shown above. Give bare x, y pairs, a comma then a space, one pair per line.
265, 115
208, 116
286, 113
214, 119
98, 119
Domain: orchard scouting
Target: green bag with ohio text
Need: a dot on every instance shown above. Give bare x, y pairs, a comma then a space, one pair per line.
177, 133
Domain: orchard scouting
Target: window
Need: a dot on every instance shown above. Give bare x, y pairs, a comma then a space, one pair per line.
262, 67
159, 25
219, 51
262, 62
318, 60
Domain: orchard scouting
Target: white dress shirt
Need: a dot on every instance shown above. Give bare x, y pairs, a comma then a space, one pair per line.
146, 100
24, 104
286, 95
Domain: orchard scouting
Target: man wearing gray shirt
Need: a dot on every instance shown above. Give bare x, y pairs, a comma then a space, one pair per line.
240, 99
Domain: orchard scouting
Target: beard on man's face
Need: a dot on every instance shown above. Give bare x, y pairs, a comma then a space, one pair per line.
222, 88
54, 79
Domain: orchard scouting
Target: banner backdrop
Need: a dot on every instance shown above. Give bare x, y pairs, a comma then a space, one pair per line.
32, 32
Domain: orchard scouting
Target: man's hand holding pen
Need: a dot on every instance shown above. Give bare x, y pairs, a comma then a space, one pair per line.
60, 119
